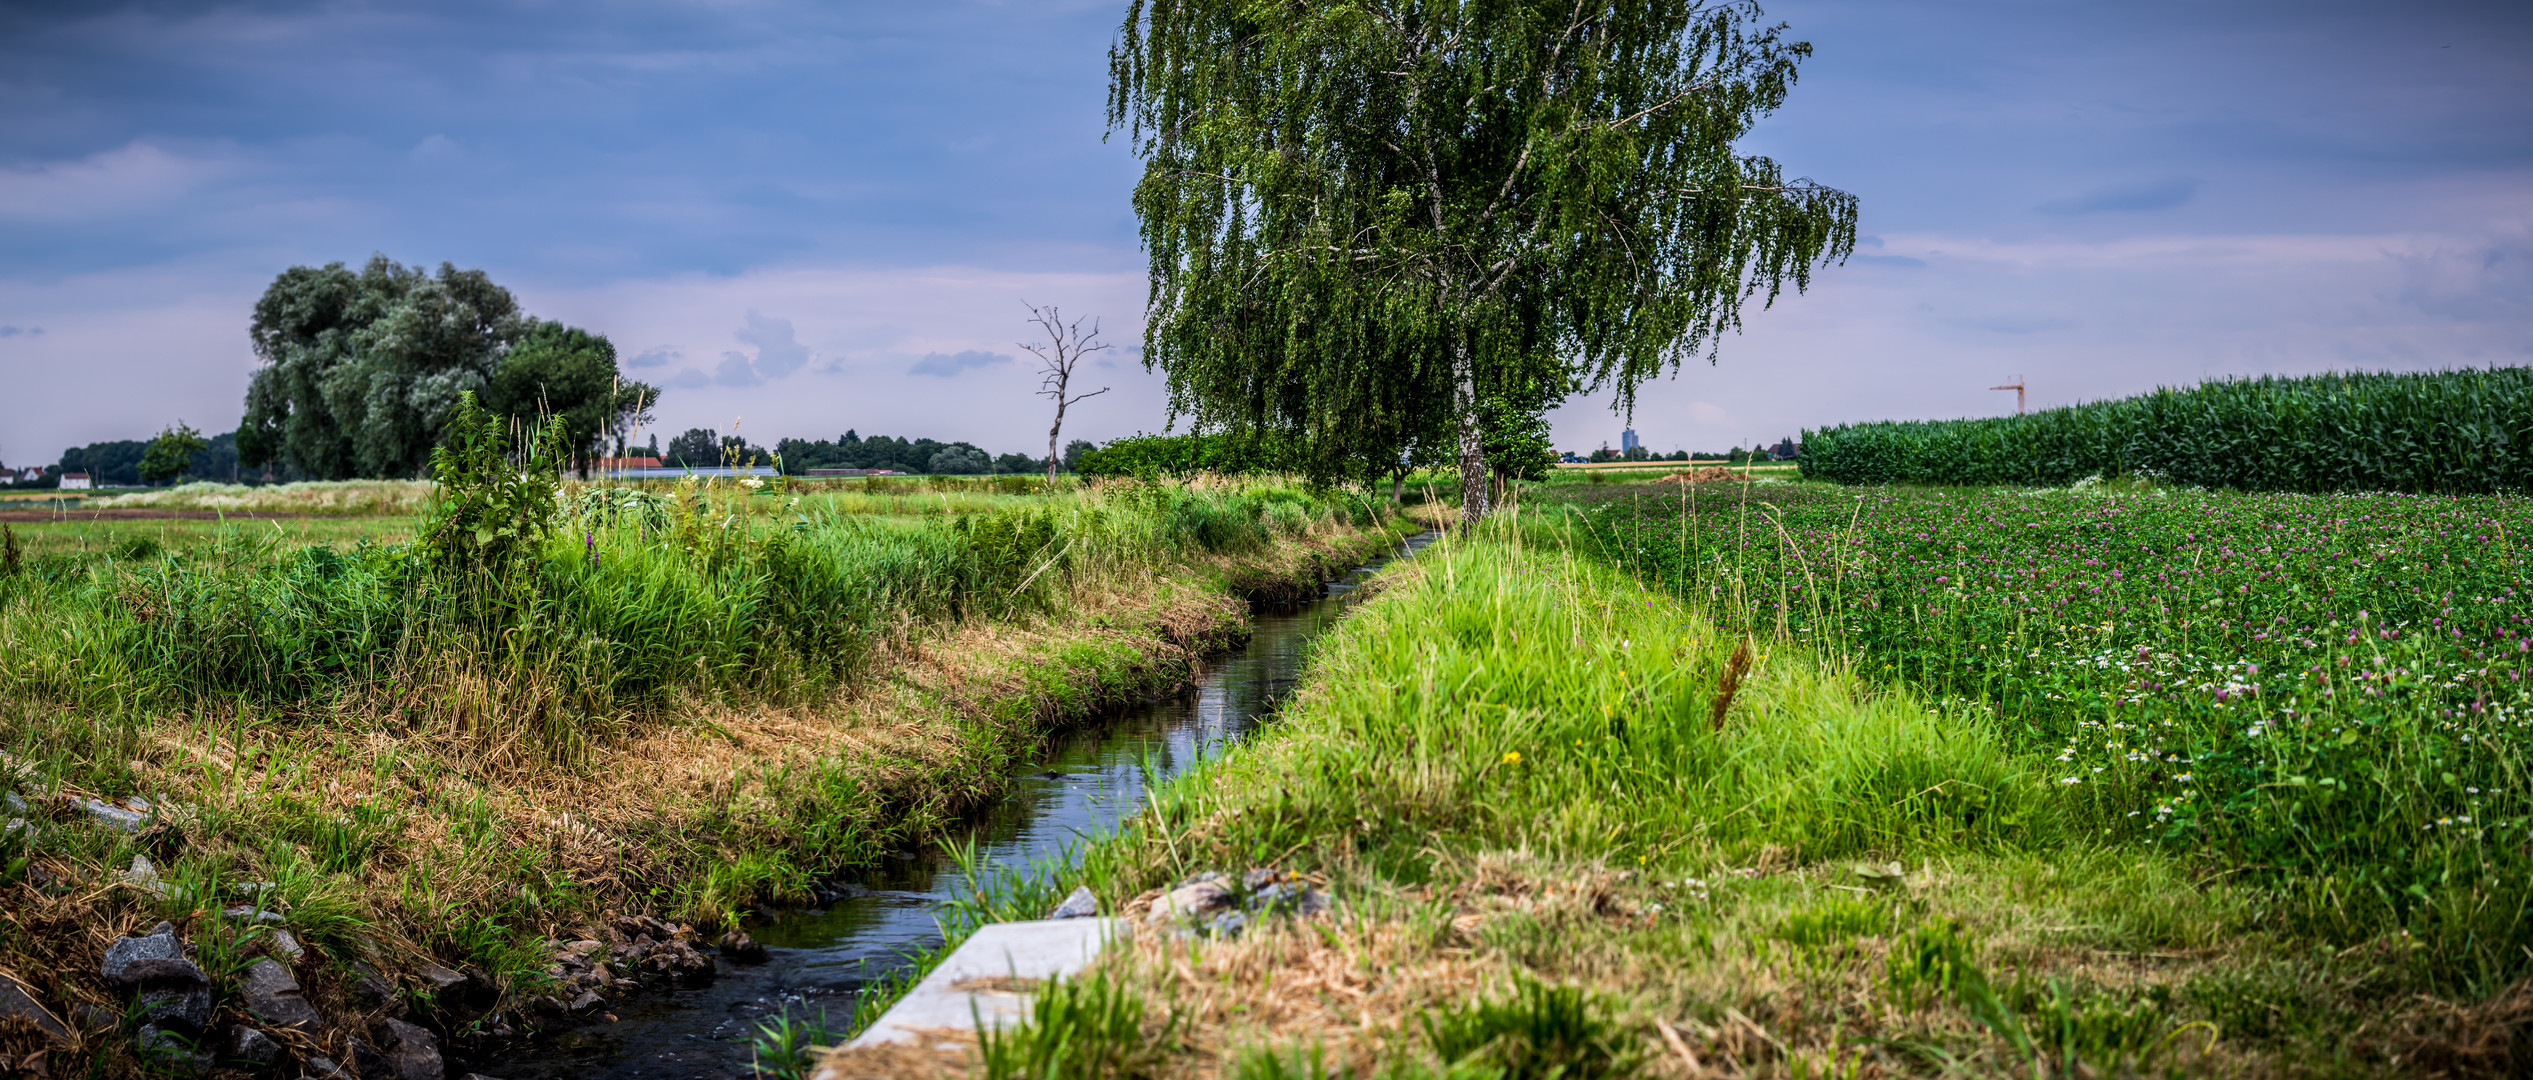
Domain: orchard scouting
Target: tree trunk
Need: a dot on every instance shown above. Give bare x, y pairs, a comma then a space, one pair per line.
1464, 395
1398, 486
1052, 429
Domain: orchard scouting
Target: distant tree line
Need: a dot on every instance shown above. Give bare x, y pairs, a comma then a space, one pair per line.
852, 451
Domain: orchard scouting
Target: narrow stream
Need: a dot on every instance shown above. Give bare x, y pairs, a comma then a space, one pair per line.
822, 957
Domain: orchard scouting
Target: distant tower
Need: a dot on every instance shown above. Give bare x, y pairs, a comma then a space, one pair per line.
1627, 442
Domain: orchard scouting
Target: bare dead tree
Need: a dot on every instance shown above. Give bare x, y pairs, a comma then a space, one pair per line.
1065, 347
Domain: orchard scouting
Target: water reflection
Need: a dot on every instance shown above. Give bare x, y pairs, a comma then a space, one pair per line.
822, 957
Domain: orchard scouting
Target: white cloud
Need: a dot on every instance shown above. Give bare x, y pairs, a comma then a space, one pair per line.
947, 365
137, 176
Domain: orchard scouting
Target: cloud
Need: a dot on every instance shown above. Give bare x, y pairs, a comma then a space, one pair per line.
2163, 194
949, 364
656, 357
735, 370
133, 177
2482, 282
689, 379
1889, 260
436, 148
777, 354
13, 331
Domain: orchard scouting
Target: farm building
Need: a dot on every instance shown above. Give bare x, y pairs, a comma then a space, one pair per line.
75, 481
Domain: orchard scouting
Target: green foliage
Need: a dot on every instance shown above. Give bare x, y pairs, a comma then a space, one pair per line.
2452, 432
783, 1048
1365, 220
1151, 456
1538, 1032
568, 373
171, 454
491, 509
362, 370
1091, 1028
2327, 694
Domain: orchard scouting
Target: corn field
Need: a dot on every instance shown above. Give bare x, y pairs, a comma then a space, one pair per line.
2450, 432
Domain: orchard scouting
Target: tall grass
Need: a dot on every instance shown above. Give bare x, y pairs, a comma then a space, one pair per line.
2451, 432
624, 602
1506, 692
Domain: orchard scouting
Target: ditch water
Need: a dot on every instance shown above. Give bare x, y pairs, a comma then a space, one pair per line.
821, 958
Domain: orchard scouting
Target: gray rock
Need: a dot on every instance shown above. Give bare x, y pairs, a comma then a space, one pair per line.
319, 1068
737, 945
368, 1062
1255, 880
272, 995
1194, 900
439, 979
1288, 898
144, 876
587, 1000
17, 825
254, 1047
156, 971
171, 1052
96, 1017
1229, 924
18, 999
176, 1007
112, 816
1078, 904
480, 1076
286, 945
245, 913
412, 1054
15, 804
159, 944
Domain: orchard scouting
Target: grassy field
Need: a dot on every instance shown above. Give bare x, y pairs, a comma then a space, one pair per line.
681, 702
2013, 784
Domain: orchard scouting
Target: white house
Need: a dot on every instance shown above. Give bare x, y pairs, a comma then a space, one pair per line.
75, 481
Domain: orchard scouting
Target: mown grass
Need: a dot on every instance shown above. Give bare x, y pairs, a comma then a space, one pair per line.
1505, 766
688, 704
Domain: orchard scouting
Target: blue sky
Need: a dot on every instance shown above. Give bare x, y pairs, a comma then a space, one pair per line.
827, 216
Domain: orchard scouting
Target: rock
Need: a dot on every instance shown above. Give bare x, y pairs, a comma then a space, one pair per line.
479, 1076
1079, 904
1198, 898
583, 947
16, 826
244, 913
1255, 880
439, 979
18, 999
271, 994
287, 946
252, 1046
587, 1000
737, 945
176, 1007
1288, 898
144, 876
367, 1062
1229, 924
374, 989
159, 944
324, 1069
412, 1054
170, 1052
95, 1017
15, 804
112, 816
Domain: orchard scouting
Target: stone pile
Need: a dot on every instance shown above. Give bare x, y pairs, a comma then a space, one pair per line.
613, 960
1213, 904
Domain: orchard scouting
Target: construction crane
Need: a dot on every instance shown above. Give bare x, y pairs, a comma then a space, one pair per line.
2017, 387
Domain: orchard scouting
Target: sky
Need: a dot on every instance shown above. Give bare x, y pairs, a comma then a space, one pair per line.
802, 218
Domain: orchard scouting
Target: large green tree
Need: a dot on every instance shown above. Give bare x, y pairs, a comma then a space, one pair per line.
1359, 214
171, 454
564, 371
363, 370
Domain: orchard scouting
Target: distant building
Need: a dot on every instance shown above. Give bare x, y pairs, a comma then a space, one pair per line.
853, 472
75, 481
610, 464
1627, 441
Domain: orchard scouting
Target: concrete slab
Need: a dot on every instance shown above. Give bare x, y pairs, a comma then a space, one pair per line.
963, 988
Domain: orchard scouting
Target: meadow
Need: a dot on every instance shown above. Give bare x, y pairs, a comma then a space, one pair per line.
1791, 780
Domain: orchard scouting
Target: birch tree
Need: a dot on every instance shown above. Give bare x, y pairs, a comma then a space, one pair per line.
1364, 214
